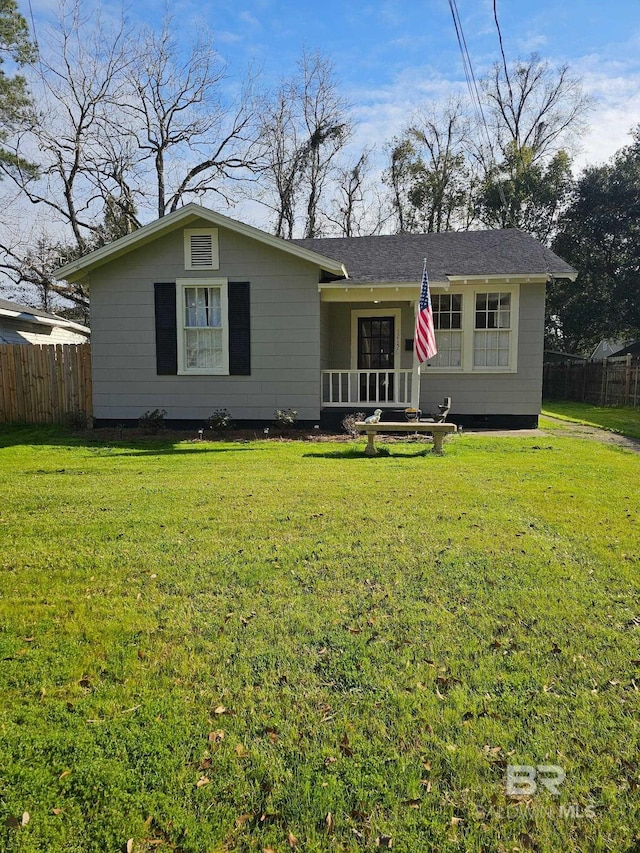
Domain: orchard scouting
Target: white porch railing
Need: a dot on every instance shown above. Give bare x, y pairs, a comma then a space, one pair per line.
366, 387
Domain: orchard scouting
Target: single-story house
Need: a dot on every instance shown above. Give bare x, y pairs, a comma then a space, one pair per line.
20, 324
196, 312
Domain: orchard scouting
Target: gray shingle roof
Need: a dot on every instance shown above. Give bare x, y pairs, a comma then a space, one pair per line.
399, 257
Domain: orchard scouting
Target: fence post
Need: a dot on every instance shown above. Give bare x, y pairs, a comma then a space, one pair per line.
627, 380
603, 384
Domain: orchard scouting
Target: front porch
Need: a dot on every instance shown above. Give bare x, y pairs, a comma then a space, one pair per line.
367, 348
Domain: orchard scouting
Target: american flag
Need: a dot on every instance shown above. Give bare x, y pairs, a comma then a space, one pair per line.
425, 337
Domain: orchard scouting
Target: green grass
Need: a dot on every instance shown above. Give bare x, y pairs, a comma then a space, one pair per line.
228, 647
624, 419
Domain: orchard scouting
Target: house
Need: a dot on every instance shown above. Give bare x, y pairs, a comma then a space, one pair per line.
606, 349
22, 325
196, 312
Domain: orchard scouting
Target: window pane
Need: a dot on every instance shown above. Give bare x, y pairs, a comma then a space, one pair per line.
203, 348
456, 320
481, 301
481, 320
456, 302
505, 319
202, 306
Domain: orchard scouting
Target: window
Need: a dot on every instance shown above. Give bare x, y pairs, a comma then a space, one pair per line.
202, 313
492, 331
201, 249
447, 321
476, 330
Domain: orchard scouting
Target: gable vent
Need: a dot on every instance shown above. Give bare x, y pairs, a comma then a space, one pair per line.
202, 250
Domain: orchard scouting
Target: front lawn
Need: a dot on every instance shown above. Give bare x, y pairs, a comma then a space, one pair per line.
622, 419
288, 646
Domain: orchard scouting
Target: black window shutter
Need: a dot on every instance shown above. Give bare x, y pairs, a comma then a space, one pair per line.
239, 329
166, 331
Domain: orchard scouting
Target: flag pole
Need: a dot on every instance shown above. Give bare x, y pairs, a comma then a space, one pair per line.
415, 376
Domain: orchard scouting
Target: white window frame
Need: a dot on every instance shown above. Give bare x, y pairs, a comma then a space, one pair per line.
215, 255
468, 293
181, 285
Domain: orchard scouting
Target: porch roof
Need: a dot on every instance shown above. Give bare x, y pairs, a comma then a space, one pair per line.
399, 257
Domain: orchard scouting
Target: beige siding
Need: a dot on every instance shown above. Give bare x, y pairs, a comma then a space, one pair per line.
502, 393
472, 393
285, 334
339, 322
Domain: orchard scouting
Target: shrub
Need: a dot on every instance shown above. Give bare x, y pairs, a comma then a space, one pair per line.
152, 422
219, 420
285, 418
349, 423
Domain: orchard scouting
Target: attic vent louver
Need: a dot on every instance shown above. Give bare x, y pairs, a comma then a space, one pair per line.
202, 250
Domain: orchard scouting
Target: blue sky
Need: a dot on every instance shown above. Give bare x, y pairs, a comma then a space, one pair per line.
393, 55
390, 56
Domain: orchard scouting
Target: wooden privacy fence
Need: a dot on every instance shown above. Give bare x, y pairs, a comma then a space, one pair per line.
43, 384
611, 382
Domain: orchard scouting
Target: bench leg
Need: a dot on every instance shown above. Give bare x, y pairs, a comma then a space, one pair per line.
370, 449
438, 438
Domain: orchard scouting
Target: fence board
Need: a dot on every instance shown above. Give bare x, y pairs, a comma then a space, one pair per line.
611, 382
44, 383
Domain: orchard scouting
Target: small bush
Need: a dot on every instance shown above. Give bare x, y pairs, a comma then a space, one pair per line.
219, 420
152, 422
76, 420
349, 423
285, 418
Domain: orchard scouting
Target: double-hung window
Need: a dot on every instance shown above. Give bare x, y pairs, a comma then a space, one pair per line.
203, 339
476, 329
447, 321
492, 330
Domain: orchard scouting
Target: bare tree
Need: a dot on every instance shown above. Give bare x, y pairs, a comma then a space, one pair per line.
283, 157
78, 72
431, 174
358, 207
532, 105
121, 125
304, 127
195, 138
328, 130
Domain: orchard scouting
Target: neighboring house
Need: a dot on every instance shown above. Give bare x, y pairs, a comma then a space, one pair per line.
196, 312
605, 349
632, 349
22, 325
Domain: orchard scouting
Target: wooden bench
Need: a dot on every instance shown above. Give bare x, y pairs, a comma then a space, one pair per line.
438, 430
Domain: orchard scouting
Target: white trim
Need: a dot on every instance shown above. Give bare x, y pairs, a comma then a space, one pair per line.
396, 313
468, 327
201, 232
77, 270
385, 291
223, 284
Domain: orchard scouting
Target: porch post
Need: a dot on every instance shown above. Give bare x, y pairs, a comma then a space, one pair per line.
415, 376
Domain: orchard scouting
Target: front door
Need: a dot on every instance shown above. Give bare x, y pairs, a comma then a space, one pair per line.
376, 350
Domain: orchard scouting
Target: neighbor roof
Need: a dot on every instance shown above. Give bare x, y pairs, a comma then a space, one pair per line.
35, 315
400, 257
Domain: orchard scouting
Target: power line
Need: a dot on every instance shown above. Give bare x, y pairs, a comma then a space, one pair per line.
474, 92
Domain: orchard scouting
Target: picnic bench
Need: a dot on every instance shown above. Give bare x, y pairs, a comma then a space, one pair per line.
438, 431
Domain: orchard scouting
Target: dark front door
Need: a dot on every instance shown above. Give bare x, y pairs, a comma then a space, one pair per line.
376, 346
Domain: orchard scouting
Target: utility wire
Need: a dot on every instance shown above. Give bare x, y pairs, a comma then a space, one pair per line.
474, 92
